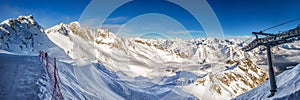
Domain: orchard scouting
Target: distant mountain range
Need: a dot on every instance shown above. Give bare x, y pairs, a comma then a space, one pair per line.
204, 68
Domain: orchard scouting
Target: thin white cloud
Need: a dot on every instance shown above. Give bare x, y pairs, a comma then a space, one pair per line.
112, 27
245, 37
186, 31
116, 19
179, 32
93, 23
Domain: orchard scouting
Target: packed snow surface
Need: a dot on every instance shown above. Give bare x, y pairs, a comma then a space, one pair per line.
23, 77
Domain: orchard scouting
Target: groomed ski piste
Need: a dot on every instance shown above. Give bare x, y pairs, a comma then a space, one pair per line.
96, 64
23, 77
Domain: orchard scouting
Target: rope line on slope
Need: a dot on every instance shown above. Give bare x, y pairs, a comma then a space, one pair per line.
53, 74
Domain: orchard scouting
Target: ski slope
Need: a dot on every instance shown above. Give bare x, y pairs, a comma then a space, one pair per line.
23, 77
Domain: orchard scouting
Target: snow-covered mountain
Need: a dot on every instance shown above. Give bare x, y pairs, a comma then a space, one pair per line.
17, 31
24, 35
96, 64
288, 87
205, 68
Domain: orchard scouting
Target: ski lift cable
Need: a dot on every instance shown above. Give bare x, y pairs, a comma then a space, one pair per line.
281, 24
263, 31
273, 27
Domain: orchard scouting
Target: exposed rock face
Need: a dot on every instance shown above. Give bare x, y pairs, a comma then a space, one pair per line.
23, 35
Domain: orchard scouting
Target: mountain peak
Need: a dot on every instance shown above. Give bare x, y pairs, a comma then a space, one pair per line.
22, 20
81, 31
75, 23
23, 35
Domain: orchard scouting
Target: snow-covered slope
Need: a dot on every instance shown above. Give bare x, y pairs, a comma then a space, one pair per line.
75, 41
288, 88
24, 35
81, 78
205, 68
23, 74
96, 64
23, 77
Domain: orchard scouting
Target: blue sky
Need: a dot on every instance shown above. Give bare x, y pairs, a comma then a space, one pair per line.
237, 17
46, 12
